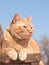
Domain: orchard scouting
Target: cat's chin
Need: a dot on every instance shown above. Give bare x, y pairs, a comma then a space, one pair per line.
27, 37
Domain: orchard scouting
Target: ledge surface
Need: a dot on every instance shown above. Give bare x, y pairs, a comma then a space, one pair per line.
32, 59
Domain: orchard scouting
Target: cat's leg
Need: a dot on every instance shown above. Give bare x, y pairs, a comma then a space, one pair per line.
23, 54
12, 53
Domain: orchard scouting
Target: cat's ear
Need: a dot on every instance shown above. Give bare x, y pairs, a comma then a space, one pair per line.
29, 18
15, 19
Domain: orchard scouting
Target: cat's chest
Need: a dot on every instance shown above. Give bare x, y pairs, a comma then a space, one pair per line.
16, 45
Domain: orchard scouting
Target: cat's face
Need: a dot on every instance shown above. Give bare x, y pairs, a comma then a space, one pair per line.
21, 27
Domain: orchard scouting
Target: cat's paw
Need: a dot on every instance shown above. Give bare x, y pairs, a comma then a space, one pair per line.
23, 55
12, 54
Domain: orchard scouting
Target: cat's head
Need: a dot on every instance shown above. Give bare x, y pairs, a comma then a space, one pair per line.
21, 27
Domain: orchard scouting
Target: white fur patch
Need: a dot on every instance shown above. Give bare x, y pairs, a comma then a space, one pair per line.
22, 54
12, 54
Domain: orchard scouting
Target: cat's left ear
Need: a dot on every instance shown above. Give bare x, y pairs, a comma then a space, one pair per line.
15, 19
29, 18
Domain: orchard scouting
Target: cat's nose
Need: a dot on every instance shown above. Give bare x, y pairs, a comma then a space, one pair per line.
30, 32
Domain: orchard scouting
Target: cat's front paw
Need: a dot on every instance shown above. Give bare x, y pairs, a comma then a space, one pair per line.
13, 55
23, 55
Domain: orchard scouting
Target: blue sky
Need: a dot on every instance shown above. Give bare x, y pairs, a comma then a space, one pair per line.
38, 9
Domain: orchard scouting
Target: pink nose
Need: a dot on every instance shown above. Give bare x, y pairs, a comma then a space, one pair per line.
30, 32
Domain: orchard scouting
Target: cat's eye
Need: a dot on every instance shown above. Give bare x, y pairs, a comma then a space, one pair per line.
25, 26
31, 27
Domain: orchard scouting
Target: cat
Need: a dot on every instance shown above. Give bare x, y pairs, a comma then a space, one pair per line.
17, 41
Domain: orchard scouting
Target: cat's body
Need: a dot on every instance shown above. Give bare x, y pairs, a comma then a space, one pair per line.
17, 42
11, 43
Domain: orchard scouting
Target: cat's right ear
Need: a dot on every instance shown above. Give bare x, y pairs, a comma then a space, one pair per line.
15, 19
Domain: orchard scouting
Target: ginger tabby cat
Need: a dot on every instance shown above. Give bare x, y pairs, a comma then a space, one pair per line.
18, 42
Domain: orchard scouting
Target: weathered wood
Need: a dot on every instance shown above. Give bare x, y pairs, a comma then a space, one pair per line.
1, 38
1, 34
32, 59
